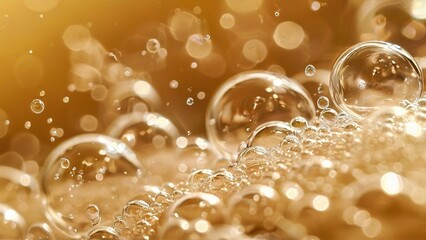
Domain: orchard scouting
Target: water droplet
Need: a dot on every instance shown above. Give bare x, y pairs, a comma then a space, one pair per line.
373, 74
189, 101
37, 106
310, 70
323, 102
248, 100
68, 189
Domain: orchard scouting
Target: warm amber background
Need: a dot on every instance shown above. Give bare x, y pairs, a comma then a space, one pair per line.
329, 31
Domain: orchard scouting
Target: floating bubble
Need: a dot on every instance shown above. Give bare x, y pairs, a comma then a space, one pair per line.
249, 99
373, 74
197, 46
89, 123
4, 123
227, 21
255, 50
37, 106
323, 102
153, 45
183, 24
189, 101
98, 164
76, 37
310, 70
93, 213
27, 124
289, 35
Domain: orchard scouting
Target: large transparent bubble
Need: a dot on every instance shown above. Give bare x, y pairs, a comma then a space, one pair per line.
249, 99
373, 74
86, 173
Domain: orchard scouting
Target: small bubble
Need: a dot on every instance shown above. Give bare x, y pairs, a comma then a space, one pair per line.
194, 65
27, 124
66, 99
65, 163
174, 84
201, 95
323, 102
42, 93
49, 120
277, 13
299, 122
37, 106
189, 101
153, 45
7, 122
310, 70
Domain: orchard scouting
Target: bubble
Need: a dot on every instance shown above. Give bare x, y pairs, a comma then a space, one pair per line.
77, 37
56, 132
248, 100
12, 224
323, 102
255, 50
193, 206
201, 95
288, 35
328, 117
88, 123
373, 74
183, 24
194, 65
103, 233
99, 92
310, 70
269, 134
227, 21
299, 123
174, 84
189, 101
93, 213
65, 163
39, 231
37, 106
152, 45
27, 124
65, 99
198, 46
69, 191
244, 6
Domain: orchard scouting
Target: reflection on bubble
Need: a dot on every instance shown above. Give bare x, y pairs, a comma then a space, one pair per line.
39, 231
289, 35
4, 126
96, 163
269, 134
249, 99
373, 74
